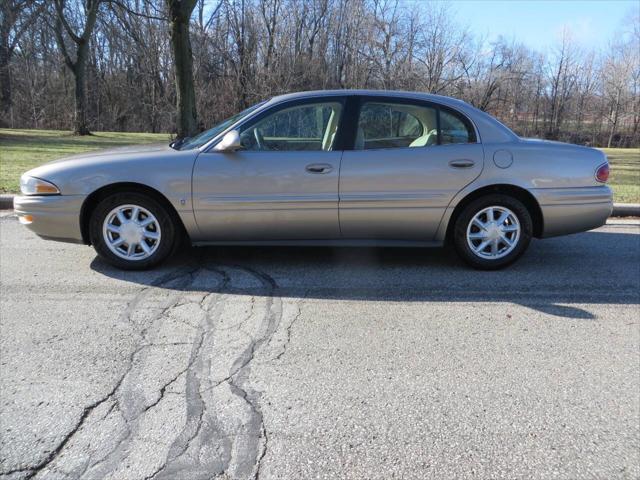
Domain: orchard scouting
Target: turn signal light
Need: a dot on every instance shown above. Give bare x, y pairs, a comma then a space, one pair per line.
44, 188
602, 173
25, 219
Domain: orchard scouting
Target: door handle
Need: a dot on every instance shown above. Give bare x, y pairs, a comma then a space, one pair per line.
319, 168
462, 163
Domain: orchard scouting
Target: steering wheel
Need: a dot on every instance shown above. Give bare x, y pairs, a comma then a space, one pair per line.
259, 139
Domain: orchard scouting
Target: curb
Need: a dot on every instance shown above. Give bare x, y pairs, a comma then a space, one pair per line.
6, 202
619, 209
626, 210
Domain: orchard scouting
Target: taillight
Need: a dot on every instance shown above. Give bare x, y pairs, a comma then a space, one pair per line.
602, 173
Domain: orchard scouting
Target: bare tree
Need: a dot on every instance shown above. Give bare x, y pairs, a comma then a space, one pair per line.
442, 44
617, 78
16, 18
85, 15
562, 83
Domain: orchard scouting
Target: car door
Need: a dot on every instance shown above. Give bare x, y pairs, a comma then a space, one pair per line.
282, 184
409, 159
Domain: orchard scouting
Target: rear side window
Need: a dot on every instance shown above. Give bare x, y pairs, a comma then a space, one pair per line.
395, 125
455, 129
400, 125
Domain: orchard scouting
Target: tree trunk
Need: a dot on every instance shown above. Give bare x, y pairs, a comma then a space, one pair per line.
180, 13
80, 126
5, 75
614, 122
5, 86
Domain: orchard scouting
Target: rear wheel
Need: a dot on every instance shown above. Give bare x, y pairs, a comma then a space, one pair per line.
493, 231
132, 231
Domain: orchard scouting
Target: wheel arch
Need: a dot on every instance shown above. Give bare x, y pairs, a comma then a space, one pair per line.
93, 199
519, 193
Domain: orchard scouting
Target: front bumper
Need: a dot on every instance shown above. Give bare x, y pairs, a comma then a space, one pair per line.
572, 210
54, 217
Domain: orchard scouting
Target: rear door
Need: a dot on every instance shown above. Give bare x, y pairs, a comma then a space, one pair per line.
283, 183
409, 159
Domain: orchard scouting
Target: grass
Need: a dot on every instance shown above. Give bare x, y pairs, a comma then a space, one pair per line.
21, 150
625, 174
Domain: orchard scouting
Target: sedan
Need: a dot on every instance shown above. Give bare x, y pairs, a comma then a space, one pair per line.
340, 168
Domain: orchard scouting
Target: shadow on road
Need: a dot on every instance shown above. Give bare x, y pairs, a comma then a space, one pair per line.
555, 274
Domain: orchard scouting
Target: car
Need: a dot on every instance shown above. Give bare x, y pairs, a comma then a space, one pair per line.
338, 168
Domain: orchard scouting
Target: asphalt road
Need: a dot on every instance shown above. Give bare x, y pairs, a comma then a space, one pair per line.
321, 363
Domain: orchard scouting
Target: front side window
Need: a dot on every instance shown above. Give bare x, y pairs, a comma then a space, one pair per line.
300, 128
400, 125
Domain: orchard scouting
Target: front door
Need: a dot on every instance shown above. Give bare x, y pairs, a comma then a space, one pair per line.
283, 183
409, 159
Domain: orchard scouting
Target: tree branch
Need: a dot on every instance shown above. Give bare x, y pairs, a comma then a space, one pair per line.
63, 21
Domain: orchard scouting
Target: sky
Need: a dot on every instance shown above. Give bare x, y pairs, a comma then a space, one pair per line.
539, 23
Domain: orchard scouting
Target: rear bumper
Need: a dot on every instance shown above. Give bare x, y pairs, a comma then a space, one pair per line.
572, 210
55, 217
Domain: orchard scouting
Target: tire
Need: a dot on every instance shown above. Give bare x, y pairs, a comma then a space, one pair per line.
111, 229
511, 236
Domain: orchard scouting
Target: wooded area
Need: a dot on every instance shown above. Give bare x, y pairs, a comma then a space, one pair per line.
182, 65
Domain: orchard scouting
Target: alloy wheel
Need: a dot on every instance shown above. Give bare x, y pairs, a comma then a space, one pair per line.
493, 232
131, 232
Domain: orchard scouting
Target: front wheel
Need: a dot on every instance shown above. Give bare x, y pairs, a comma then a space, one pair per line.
132, 231
492, 232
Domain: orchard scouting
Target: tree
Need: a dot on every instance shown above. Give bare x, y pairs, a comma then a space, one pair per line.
179, 19
140, 73
17, 17
562, 82
63, 29
617, 77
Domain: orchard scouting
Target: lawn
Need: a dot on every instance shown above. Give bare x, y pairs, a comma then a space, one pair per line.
625, 174
21, 150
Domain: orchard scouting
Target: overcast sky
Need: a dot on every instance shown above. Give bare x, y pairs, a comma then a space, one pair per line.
538, 23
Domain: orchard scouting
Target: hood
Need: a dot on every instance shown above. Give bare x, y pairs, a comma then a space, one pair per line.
146, 164
94, 159
110, 152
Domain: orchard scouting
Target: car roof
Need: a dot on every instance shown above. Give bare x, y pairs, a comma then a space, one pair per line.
382, 93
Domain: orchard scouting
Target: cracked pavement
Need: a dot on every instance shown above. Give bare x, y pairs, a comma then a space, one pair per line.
291, 363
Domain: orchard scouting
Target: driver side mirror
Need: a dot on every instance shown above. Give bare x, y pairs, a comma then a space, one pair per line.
229, 143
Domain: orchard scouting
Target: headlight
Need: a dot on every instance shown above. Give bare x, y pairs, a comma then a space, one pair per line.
36, 186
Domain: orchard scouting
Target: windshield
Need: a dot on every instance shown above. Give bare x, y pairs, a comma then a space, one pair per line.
204, 137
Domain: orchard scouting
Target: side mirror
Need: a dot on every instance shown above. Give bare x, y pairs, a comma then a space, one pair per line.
178, 142
229, 143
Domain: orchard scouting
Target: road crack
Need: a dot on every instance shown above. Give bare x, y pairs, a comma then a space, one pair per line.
240, 446
287, 341
86, 412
